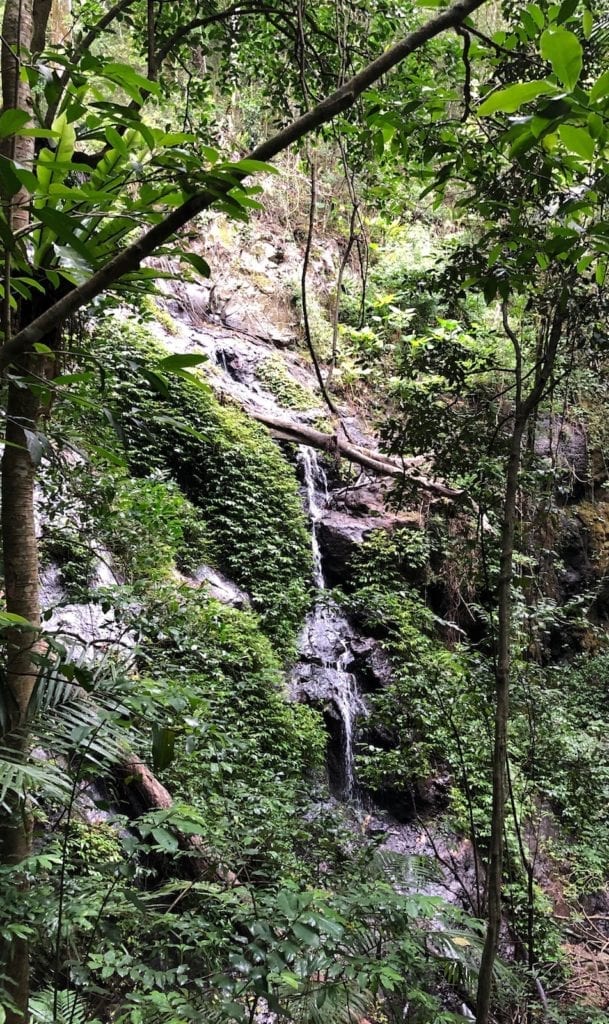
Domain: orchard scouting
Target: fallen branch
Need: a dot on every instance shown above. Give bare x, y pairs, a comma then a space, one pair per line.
298, 433
141, 782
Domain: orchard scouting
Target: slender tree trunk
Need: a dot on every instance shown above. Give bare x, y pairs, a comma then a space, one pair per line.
524, 409
20, 551
502, 697
23, 30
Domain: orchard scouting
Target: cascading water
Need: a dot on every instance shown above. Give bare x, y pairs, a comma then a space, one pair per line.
322, 674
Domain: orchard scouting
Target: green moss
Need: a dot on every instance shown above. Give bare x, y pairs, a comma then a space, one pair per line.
162, 317
225, 464
241, 750
150, 526
288, 392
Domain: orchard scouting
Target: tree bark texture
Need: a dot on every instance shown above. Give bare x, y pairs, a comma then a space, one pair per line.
17, 31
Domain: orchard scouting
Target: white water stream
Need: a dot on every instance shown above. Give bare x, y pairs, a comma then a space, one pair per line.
323, 673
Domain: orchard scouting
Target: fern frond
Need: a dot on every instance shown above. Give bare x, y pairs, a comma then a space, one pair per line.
70, 1008
19, 776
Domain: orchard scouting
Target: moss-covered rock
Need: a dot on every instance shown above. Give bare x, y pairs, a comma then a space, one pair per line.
225, 464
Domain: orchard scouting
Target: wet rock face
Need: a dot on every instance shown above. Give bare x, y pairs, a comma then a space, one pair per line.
352, 515
573, 547
566, 445
429, 796
371, 664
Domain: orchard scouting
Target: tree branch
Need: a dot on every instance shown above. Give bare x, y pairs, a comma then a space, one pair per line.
130, 258
298, 433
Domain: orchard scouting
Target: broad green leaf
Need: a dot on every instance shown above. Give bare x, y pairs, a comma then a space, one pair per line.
37, 445
179, 361
513, 97
73, 378
163, 746
116, 141
53, 164
595, 125
39, 133
196, 261
132, 82
165, 840
11, 121
234, 1011
9, 182
567, 8
577, 140
306, 935
63, 227
10, 619
537, 15
564, 51
600, 88
253, 167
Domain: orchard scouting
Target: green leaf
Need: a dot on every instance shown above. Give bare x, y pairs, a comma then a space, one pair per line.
11, 121
252, 167
165, 840
306, 935
73, 378
537, 15
181, 360
9, 182
234, 1011
577, 140
600, 87
588, 23
10, 619
53, 164
157, 382
514, 96
567, 8
63, 229
564, 51
130, 80
196, 261
37, 445
163, 746
116, 141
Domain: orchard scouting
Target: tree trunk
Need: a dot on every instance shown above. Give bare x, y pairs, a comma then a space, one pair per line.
23, 29
17, 29
502, 696
20, 550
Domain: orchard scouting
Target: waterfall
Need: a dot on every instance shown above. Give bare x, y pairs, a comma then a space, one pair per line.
316, 486
322, 674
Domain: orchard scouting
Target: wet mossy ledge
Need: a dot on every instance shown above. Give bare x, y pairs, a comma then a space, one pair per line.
225, 464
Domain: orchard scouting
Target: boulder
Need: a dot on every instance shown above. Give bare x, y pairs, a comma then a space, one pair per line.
220, 587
